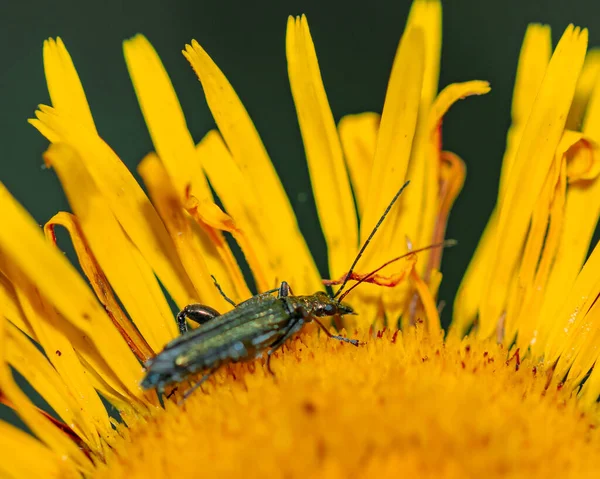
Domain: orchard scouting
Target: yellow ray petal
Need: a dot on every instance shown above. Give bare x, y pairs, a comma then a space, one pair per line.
9, 305
579, 365
322, 146
432, 317
358, 136
585, 86
470, 291
532, 160
99, 283
22, 355
127, 271
59, 443
452, 178
449, 96
240, 200
23, 447
533, 62
566, 333
132, 410
196, 250
176, 148
390, 164
591, 389
251, 157
165, 120
46, 324
427, 15
582, 353
538, 256
64, 85
195, 209
422, 202
125, 198
22, 241
582, 209
396, 131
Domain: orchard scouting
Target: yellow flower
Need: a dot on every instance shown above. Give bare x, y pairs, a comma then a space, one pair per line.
510, 391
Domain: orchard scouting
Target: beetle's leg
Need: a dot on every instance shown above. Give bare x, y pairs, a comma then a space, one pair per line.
196, 312
173, 391
202, 380
284, 290
160, 391
292, 328
218, 286
354, 342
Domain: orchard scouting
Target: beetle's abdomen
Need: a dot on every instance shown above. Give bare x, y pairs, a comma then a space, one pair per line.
239, 335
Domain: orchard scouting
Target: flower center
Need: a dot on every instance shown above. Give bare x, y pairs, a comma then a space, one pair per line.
401, 402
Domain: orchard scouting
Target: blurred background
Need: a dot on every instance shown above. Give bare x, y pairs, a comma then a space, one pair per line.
355, 43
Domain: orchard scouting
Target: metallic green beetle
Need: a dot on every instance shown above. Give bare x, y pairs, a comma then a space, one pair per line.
262, 323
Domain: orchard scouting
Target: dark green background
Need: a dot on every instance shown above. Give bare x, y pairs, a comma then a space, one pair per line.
355, 43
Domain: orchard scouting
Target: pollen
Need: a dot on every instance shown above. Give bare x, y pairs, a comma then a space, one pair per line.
399, 403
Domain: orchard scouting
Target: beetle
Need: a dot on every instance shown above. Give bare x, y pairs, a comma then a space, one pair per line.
261, 323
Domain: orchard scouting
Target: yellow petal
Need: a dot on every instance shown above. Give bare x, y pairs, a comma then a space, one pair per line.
176, 148
538, 257
449, 96
579, 365
422, 221
67, 95
239, 198
591, 388
195, 248
394, 142
10, 307
472, 286
55, 439
451, 180
432, 317
323, 149
64, 86
566, 334
22, 241
46, 324
533, 62
165, 120
427, 15
99, 282
358, 136
532, 160
420, 201
23, 447
250, 155
585, 86
125, 198
582, 209
22, 355
127, 271
390, 164
195, 209
131, 409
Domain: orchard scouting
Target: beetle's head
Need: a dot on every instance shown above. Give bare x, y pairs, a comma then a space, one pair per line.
326, 306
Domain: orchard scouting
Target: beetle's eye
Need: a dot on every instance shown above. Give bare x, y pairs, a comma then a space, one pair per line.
329, 309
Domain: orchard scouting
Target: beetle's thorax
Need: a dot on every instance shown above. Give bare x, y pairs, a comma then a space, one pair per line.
318, 304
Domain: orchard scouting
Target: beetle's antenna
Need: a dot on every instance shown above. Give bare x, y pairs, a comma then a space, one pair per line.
366, 243
443, 244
